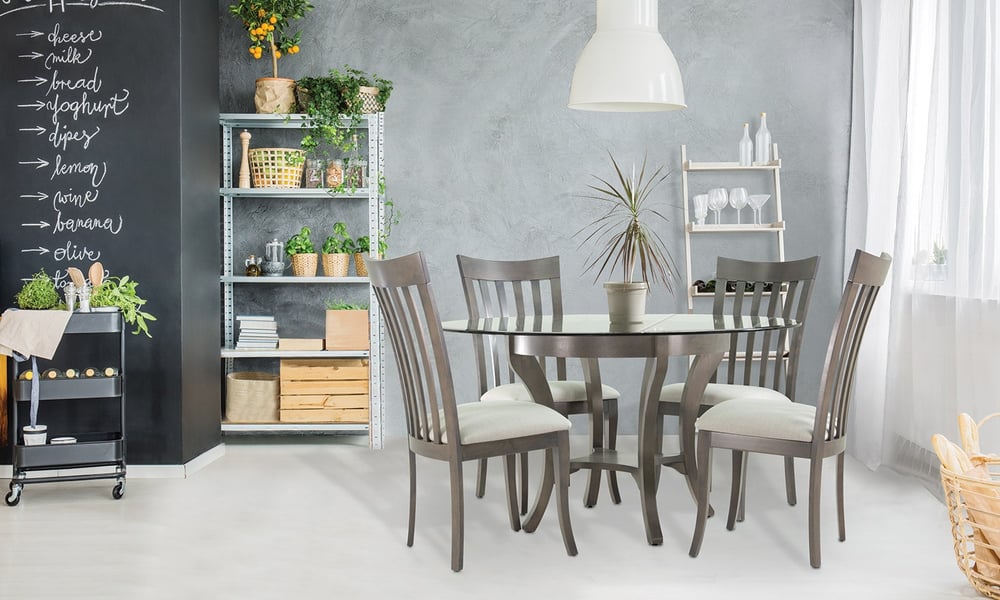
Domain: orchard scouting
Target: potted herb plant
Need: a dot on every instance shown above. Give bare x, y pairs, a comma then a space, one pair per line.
346, 326
327, 99
337, 251
38, 293
626, 241
119, 292
266, 23
300, 249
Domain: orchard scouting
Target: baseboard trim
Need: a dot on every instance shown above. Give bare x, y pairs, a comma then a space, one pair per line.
141, 471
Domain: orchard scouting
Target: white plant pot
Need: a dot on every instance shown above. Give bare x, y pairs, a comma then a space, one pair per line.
626, 301
35, 436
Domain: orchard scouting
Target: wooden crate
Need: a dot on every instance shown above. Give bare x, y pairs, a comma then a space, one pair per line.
300, 344
324, 390
347, 330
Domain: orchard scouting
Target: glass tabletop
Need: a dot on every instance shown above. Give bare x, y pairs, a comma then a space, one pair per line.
599, 325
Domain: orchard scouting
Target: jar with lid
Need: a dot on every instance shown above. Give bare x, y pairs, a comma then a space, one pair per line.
334, 173
314, 172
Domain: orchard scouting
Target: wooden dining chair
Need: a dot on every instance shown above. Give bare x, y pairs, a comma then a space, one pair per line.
524, 288
437, 426
793, 429
756, 365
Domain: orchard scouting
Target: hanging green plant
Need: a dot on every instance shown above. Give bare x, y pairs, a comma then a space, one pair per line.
328, 99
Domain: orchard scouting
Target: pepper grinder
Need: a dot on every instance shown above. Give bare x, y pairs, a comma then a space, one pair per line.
244, 161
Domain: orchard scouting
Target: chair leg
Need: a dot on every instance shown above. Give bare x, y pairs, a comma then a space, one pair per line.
704, 477
524, 483
413, 498
457, 517
840, 497
736, 492
815, 485
741, 513
481, 478
560, 459
510, 483
789, 481
611, 410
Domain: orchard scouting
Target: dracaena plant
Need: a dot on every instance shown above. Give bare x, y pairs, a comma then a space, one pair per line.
625, 238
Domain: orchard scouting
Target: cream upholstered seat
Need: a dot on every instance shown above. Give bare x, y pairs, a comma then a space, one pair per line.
761, 418
795, 430
716, 393
562, 391
479, 429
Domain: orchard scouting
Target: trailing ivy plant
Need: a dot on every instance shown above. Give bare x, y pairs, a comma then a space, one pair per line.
120, 292
300, 243
340, 242
38, 293
328, 98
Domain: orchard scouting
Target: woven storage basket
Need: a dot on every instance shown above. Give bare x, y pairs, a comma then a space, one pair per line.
360, 265
369, 99
251, 397
336, 265
271, 169
304, 265
974, 510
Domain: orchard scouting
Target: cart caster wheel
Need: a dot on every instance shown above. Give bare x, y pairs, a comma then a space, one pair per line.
118, 491
13, 497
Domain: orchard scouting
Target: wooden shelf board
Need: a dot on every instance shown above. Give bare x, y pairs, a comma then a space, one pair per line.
730, 166
734, 228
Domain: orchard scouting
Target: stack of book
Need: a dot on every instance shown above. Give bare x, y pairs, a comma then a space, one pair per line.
257, 333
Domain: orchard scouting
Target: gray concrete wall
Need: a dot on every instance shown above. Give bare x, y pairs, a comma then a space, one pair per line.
483, 157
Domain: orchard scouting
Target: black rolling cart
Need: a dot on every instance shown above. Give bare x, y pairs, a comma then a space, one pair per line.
91, 449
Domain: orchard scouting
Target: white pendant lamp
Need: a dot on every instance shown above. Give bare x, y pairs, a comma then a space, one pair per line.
626, 66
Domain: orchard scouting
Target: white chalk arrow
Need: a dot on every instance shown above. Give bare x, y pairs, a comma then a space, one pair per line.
32, 56
37, 80
38, 196
40, 224
41, 163
31, 34
39, 250
38, 129
37, 105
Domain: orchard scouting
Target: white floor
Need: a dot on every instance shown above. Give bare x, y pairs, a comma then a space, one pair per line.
322, 518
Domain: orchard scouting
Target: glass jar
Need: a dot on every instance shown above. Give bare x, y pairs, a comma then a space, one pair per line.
334, 173
314, 172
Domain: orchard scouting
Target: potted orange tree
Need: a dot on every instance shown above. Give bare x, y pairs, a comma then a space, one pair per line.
266, 23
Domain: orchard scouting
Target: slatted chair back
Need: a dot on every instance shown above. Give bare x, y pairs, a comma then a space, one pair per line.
772, 289
501, 288
867, 275
402, 288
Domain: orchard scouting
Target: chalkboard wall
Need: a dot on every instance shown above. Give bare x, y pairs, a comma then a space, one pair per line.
110, 153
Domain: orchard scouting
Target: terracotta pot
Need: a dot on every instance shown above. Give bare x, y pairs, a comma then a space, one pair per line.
275, 95
304, 265
336, 265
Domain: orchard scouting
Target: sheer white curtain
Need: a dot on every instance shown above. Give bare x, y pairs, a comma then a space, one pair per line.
925, 164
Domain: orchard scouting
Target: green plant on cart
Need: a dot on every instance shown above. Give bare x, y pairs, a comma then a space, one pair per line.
120, 292
340, 242
300, 243
38, 293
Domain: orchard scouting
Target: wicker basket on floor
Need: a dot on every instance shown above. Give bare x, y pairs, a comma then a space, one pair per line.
276, 167
251, 397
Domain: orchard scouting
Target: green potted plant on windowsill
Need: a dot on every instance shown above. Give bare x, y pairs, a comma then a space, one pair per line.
337, 251
340, 95
302, 252
626, 241
346, 326
266, 22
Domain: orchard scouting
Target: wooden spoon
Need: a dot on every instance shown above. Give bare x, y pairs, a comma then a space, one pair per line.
96, 274
77, 276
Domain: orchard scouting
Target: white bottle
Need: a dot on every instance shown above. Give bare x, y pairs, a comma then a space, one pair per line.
746, 147
762, 142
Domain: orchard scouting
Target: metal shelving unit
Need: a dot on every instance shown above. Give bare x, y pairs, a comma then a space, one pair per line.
92, 449
776, 228
374, 125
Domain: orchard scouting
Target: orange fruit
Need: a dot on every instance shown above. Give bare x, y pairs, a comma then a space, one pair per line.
274, 19
294, 49
277, 54
260, 12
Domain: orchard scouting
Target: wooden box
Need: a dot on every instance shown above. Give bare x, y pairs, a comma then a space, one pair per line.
347, 330
300, 344
324, 390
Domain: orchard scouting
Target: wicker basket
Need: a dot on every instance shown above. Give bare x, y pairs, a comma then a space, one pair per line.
336, 265
369, 99
304, 265
973, 501
251, 397
359, 264
277, 167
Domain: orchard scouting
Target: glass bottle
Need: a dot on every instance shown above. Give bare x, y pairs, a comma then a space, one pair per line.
334, 173
90, 372
315, 172
252, 266
355, 166
746, 147
762, 142
72, 373
51, 374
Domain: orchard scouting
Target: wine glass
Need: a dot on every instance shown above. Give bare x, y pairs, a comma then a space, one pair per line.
756, 202
700, 208
738, 199
717, 200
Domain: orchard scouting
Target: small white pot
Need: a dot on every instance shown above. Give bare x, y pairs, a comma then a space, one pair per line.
626, 301
35, 436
